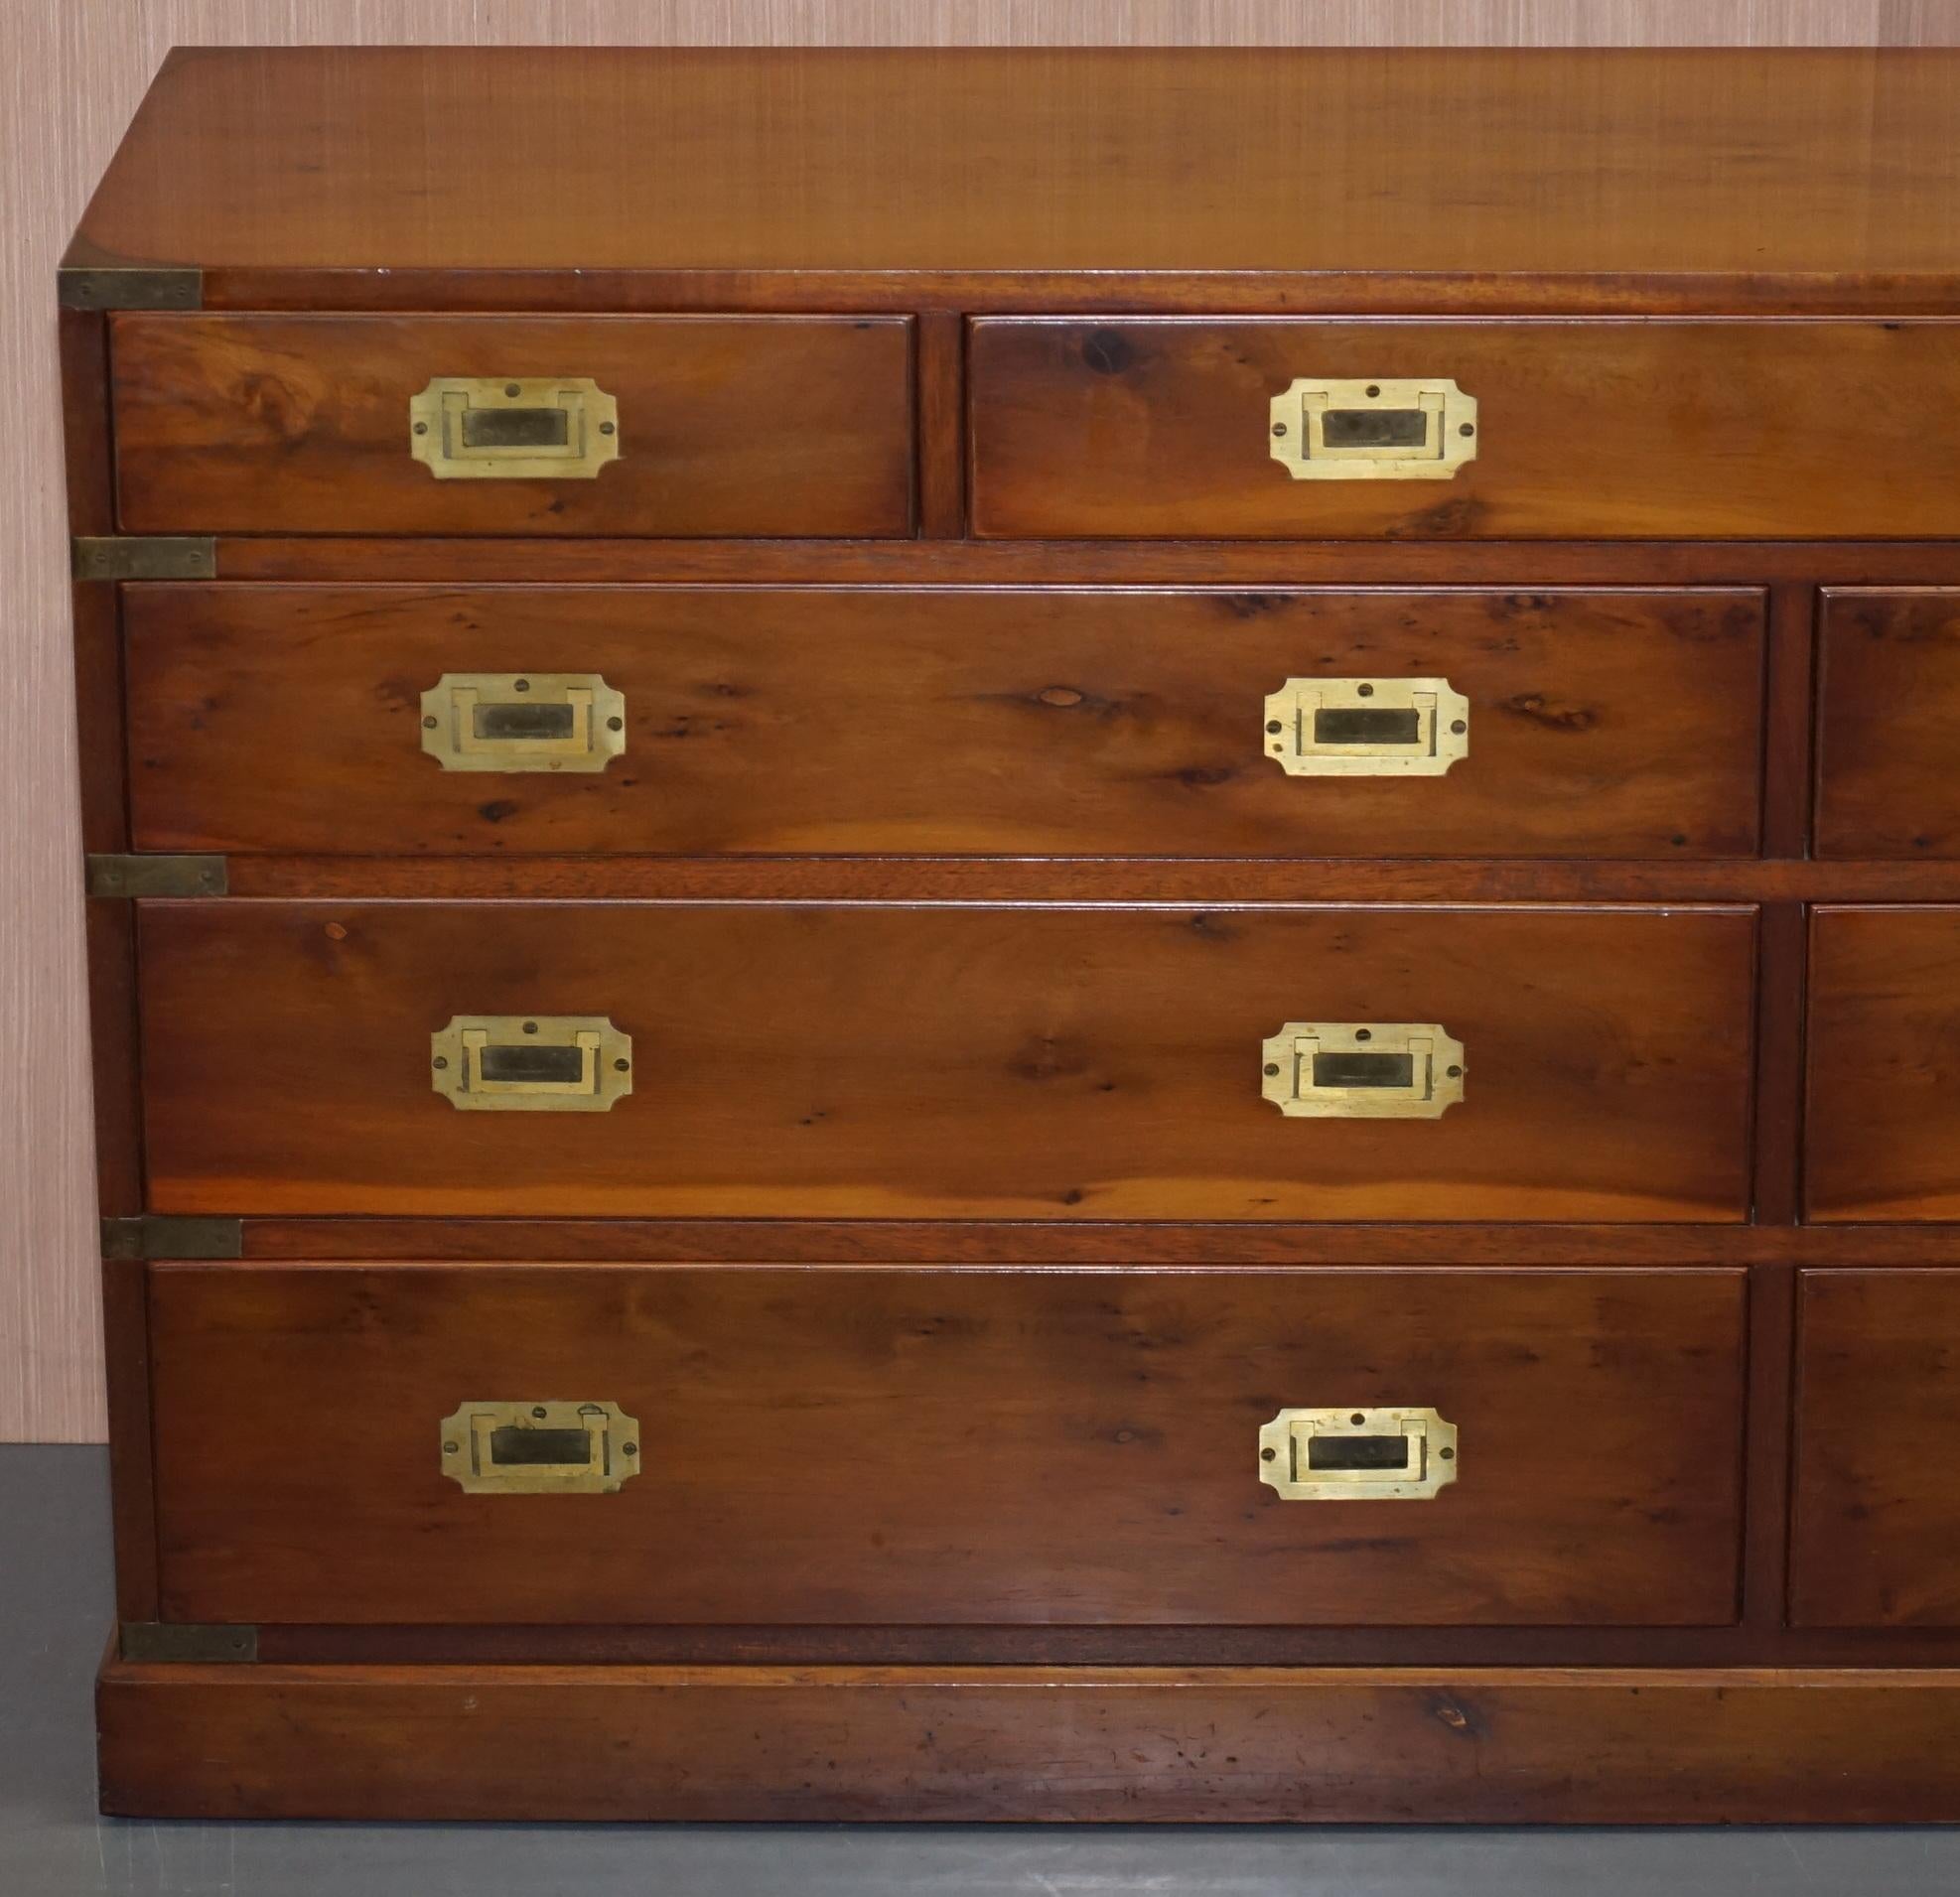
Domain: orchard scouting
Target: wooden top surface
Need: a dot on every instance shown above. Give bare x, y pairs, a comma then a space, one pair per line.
1743, 166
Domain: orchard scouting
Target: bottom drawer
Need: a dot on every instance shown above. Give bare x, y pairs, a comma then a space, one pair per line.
950, 1446
1877, 1495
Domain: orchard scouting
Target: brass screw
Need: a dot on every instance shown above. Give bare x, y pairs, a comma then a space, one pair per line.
615, 724
619, 1066
520, 685
1357, 1419
1272, 1067
449, 1448
1279, 428
1268, 1455
1273, 726
538, 1412
630, 1449
1458, 726
530, 1027
1374, 388
1454, 1073
441, 1062
512, 388
1466, 429
1447, 1455
1364, 691
606, 428
428, 724
421, 428
1364, 1033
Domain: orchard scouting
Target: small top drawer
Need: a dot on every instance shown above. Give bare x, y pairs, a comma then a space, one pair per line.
513, 425
1308, 429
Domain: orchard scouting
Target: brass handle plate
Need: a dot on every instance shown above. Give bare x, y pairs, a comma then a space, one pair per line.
1357, 1455
1368, 727
540, 1448
512, 722
530, 1063
1382, 430
527, 428
1362, 1071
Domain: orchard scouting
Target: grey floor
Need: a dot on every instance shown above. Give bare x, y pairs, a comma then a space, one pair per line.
53, 1612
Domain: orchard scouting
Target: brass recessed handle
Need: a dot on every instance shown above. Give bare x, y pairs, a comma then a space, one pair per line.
1381, 430
540, 1448
1366, 727
513, 428
1357, 1455
512, 722
530, 1063
1362, 1071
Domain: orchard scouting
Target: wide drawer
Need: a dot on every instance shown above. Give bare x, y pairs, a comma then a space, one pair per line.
1165, 427
1877, 1497
865, 1061
1887, 708
321, 719
945, 1446
512, 424
1883, 1047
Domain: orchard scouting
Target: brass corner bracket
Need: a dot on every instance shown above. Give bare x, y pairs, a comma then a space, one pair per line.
124, 875
144, 557
186, 1643
130, 286
154, 1236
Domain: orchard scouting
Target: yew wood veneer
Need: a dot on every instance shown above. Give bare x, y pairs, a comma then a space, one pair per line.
1025, 935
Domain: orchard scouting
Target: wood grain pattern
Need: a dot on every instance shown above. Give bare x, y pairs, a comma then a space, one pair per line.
990, 1743
1884, 1038
836, 1061
1887, 697
74, 75
946, 1448
1026, 163
989, 723
1607, 430
1876, 1496
730, 425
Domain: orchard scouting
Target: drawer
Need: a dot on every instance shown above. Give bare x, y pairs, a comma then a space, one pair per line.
945, 1446
1888, 707
720, 425
960, 1061
1147, 428
1884, 1045
321, 719
1876, 1496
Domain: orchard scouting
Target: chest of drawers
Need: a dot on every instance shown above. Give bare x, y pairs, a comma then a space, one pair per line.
1003, 936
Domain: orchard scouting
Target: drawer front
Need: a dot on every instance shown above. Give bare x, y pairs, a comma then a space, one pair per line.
721, 425
940, 1446
1151, 428
1606, 723
1876, 1494
1884, 1043
1887, 709
859, 1060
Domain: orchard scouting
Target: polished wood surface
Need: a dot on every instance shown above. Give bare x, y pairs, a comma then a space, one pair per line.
728, 425
1880, 1112
1888, 702
946, 1448
990, 1743
889, 1062
1603, 724
1800, 172
1878, 1495
1609, 430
